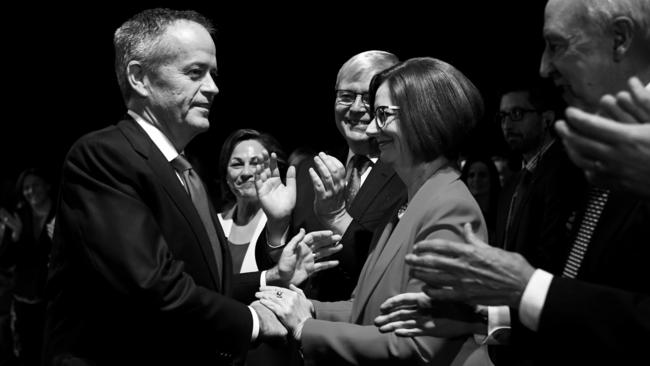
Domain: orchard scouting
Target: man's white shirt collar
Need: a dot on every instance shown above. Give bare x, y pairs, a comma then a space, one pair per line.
159, 139
351, 154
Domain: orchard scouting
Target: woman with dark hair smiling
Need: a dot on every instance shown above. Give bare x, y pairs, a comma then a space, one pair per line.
423, 110
243, 219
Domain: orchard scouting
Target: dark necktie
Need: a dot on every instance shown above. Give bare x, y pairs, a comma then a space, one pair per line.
595, 204
195, 189
515, 202
355, 169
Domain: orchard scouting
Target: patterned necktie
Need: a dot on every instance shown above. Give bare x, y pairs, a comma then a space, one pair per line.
195, 189
355, 169
595, 204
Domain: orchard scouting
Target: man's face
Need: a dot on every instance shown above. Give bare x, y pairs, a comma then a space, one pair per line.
578, 55
525, 135
352, 120
182, 88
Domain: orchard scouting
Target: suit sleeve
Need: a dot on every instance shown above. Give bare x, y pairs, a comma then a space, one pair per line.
103, 219
336, 342
614, 321
335, 311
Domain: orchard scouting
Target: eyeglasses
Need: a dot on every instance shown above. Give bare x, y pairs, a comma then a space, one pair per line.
382, 113
348, 97
515, 114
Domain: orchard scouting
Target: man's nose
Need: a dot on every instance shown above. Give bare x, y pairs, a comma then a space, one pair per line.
358, 105
209, 85
546, 66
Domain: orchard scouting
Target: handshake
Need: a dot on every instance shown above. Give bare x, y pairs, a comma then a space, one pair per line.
283, 311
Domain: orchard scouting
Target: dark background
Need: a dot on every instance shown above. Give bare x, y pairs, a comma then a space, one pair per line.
277, 66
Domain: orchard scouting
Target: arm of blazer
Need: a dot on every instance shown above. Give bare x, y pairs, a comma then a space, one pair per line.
335, 311
110, 221
613, 321
327, 342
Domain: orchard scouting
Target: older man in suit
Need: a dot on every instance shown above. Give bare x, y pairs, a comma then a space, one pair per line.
352, 192
140, 273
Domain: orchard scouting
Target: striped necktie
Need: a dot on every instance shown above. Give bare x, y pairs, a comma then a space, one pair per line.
596, 201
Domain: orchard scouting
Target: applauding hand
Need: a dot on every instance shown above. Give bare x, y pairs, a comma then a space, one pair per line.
473, 272
299, 256
414, 314
329, 187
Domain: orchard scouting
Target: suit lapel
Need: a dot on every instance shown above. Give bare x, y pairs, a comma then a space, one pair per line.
617, 213
172, 185
364, 284
397, 239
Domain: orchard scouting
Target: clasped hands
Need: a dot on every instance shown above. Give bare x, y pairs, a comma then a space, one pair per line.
298, 261
290, 307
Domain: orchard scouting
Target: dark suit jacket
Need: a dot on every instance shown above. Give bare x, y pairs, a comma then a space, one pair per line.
343, 332
381, 193
538, 230
133, 278
602, 317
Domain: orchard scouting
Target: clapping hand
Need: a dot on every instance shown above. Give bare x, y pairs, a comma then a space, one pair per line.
277, 199
415, 314
613, 148
11, 221
474, 272
329, 187
291, 306
298, 259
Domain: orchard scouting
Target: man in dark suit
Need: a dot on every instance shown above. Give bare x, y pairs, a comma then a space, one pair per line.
321, 199
535, 205
140, 273
597, 310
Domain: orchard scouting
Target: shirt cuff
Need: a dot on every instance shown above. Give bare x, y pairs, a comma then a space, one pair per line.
498, 327
256, 325
263, 279
533, 299
283, 239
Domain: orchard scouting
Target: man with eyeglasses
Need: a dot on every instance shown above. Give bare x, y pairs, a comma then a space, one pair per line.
534, 206
350, 192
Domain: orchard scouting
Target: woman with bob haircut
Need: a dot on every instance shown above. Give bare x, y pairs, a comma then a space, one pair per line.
424, 109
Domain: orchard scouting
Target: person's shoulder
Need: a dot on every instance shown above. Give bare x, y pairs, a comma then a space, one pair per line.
106, 141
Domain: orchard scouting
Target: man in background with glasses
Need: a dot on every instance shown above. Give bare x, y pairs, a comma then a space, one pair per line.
535, 205
350, 192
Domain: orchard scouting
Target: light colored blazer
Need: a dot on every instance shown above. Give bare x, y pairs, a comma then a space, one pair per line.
343, 332
225, 218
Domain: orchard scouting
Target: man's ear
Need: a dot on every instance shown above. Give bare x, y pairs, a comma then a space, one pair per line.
623, 28
136, 76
